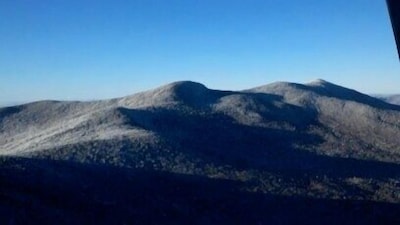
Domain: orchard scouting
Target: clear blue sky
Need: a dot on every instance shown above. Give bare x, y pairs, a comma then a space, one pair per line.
79, 49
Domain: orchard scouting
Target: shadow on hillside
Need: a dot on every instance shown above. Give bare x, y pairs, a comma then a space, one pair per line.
47, 192
219, 136
8, 111
218, 139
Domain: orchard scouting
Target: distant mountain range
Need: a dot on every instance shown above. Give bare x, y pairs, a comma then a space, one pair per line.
303, 141
392, 99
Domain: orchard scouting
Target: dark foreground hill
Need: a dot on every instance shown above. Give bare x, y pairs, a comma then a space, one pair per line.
281, 153
36, 191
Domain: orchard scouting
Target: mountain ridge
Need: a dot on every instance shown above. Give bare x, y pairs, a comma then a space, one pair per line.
300, 143
280, 105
